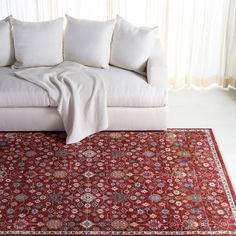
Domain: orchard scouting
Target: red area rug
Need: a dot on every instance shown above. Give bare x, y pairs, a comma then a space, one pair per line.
115, 183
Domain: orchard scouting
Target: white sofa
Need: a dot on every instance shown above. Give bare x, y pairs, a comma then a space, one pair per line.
134, 101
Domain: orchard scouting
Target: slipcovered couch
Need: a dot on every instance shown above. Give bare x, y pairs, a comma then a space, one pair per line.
135, 101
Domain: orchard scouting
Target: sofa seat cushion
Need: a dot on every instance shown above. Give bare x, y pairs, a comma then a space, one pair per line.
124, 89
130, 89
15, 92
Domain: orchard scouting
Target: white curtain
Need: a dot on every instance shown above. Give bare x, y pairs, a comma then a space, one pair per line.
229, 55
199, 36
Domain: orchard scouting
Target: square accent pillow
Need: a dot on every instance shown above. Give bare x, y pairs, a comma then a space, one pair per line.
131, 46
88, 42
38, 43
6, 43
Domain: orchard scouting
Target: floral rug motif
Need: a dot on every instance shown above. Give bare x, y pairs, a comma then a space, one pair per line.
115, 183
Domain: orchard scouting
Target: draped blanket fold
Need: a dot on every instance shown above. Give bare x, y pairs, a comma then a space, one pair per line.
79, 94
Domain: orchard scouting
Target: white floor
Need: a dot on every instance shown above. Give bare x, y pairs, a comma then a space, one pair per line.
208, 108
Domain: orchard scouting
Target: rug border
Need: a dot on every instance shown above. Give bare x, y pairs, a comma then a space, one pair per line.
115, 234
223, 165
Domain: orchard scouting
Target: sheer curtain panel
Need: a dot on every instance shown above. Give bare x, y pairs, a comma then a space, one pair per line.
199, 36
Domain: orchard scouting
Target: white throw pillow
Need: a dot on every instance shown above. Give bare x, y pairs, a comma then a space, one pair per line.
88, 42
6, 43
38, 43
131, 46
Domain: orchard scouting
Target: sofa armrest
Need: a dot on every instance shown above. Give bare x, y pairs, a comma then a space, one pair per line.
157, 68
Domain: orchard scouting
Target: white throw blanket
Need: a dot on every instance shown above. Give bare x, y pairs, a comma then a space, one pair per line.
79, 94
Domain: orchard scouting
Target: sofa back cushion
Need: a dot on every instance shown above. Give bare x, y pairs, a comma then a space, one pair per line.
131, 46
6, 43
88, 42
38, 43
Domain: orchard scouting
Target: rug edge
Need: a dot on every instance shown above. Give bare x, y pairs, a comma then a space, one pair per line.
223, 165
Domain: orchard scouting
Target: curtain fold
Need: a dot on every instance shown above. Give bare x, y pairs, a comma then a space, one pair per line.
229, 62
198, 36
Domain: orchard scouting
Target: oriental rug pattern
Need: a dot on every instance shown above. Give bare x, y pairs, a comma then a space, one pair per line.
115, 183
